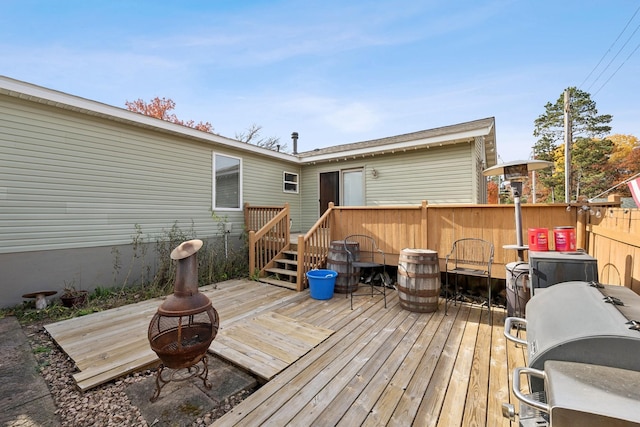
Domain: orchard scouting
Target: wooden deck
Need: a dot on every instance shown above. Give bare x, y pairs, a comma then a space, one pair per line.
389, 367
112, 343
378, 367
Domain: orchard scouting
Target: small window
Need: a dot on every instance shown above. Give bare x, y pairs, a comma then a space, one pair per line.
290, 182
227, 182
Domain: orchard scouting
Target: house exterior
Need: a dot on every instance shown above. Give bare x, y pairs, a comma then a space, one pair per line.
78, 178
442, 165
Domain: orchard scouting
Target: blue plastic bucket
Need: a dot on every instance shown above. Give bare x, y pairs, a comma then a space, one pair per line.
321, 283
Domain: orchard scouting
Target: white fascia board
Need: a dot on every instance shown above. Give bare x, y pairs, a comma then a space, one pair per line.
34, 93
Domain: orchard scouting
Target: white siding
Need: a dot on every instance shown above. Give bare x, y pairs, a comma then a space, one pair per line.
69, 180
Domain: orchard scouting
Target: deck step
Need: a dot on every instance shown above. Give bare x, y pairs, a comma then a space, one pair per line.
276, 282
282, 272
290, 252
287, 261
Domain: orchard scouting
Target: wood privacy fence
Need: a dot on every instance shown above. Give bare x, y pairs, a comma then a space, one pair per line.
436, 227
612, 235
614, 240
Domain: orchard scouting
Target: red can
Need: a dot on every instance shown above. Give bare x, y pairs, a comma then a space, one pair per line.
565, 239
538, 239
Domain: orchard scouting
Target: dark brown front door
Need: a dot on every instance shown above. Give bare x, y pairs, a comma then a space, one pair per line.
329, 190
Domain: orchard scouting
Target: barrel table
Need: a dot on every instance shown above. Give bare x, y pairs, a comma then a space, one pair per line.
418, 280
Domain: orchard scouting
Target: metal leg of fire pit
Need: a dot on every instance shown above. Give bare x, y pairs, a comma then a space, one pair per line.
205, 373
159, 380
202, 374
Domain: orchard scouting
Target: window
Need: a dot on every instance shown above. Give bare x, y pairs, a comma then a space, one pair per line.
352, 188
290, 182
227, 182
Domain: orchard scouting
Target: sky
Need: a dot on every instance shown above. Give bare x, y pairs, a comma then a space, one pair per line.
335, 71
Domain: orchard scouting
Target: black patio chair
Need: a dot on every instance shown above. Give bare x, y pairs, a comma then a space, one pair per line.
469, 257
367, 262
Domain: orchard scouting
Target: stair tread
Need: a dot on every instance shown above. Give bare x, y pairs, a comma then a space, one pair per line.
276, 282
287, 261
282, 271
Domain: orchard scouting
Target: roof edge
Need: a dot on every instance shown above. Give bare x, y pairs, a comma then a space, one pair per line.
31, 92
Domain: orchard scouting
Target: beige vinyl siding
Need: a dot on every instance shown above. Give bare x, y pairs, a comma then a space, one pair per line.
69, 180
310, 195
439, 175
480, 194
263, 184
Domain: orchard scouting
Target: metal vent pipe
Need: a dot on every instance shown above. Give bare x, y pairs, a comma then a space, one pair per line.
294, 136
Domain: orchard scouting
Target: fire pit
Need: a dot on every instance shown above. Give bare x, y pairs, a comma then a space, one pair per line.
185, 324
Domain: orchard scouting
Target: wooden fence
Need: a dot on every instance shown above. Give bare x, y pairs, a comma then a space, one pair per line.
609, 233
614, 240
436, 227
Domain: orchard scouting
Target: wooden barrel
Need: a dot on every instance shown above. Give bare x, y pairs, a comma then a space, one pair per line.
346, 282
418, 280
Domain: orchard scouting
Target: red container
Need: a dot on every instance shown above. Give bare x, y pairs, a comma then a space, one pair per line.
565, 238
538, 239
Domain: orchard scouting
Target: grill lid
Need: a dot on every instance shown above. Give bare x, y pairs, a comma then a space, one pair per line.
573, 321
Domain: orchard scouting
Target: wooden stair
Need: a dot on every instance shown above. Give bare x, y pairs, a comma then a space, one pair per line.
285, 271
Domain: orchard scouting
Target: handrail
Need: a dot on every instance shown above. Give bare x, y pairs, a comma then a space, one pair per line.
313, 247
256, 217
271, 239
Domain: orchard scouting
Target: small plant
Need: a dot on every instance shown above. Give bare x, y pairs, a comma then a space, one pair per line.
41, 349
72, 297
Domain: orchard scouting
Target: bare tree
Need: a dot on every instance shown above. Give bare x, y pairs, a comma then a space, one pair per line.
252, 136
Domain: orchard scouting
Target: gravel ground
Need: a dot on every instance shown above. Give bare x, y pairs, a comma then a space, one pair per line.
106, 405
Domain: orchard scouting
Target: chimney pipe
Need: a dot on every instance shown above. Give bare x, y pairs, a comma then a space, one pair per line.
294, 136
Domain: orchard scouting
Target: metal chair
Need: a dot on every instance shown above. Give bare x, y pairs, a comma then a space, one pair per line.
469, 257
364, 257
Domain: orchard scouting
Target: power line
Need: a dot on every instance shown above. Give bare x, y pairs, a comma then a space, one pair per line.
613, 59
614, 73
609, 50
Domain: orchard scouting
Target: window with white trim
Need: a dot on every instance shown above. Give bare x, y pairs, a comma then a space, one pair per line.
227, 182
290, 182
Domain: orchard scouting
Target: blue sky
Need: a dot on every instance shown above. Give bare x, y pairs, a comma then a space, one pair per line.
335, 71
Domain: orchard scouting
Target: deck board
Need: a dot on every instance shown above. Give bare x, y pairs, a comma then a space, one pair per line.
367, 366
453, 407
112, 343
268, 343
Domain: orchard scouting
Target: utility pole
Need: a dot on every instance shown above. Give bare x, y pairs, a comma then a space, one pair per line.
568, 138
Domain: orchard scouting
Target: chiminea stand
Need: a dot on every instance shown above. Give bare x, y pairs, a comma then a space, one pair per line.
177, 375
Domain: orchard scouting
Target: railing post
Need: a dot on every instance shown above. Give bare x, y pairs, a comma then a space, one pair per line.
424, 238
332, 222
246, 215
302, 267
287, 227
252, 252
581, 230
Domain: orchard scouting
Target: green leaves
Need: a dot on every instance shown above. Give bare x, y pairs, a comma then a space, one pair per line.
590, 150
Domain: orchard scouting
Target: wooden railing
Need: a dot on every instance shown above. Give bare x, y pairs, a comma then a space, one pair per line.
614, 240
313, 247
436, 227
256, 217
269, 240
612, 237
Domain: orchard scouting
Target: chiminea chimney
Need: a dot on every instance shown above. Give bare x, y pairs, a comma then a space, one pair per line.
294, 136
